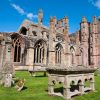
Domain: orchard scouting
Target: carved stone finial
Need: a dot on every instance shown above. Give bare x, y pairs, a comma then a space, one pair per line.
40, 15
94, 20
55, 20
65, 20
84, 20
51, 19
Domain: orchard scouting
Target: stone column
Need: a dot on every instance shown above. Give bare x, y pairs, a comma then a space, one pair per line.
8, 52
30, 57
1, 60
50, 88
50, 85
2, 55
66, 89
92, 86
66, 93
36, 55
51, 57
81, 88
81, 85
8, 69
45, 56
41, 55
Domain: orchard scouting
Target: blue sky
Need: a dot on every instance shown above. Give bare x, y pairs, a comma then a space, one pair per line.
13, 12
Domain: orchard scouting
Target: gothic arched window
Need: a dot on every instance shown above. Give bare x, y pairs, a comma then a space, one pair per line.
72, 55
39, 52
17, 50
58, 53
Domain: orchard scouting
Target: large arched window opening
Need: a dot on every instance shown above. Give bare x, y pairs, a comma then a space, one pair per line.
72, 50
17, 50
80, 57
39, 52
23, 31
58, 53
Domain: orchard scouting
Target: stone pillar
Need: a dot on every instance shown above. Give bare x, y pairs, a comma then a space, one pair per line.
66, 89
36, 55
8, 52
81, 88
92, 86
94, 31
50, 85
50, 88
2, 47
51, 57
84, 39
30, 57
41, 55
66, 94
8, 57
51, 43
45, 56
40, 18
2, 55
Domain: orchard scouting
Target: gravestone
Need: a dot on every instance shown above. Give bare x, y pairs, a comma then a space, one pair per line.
8, 80
6, 66
7, 72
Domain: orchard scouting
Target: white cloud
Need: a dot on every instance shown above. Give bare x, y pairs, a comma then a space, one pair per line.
95, 3
23, 12
18, 8
91, 1
31, 16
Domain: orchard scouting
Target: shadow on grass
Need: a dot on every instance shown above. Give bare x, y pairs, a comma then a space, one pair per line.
40, 76
43, 75
24, 88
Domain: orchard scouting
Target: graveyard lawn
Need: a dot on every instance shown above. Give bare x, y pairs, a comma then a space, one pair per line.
36, 89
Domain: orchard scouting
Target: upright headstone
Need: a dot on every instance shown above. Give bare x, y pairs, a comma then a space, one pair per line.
8, 80
7, 65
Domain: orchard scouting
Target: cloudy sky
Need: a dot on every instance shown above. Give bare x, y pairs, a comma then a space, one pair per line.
13, 12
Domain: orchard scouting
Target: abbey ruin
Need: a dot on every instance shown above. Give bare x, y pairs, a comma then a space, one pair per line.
35, 46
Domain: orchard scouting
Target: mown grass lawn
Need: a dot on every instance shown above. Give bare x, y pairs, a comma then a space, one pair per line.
36, 89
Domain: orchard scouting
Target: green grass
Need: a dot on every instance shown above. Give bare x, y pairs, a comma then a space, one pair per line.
36, 89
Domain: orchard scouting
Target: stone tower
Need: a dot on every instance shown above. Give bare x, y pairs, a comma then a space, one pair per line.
40, 18
93, 33
84, 40
51, 41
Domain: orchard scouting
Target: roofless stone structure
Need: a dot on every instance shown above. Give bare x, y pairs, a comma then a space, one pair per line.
73, 57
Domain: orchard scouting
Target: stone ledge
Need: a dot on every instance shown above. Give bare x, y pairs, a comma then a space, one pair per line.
70, 69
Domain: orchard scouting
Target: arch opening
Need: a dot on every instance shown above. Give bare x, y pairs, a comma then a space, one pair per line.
39, 52
23, 31
17, 50
58, 53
